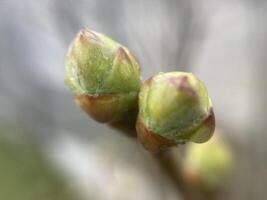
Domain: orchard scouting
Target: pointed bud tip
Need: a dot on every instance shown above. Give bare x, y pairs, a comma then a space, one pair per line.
122, 54
86, 34
182, 84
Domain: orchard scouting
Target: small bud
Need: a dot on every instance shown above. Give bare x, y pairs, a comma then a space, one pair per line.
208, 165
174, 108
103, 74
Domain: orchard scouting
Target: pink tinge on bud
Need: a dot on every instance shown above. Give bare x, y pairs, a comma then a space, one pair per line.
210, 121
86, 35
206, 129
149, 81
122, 54
182, 84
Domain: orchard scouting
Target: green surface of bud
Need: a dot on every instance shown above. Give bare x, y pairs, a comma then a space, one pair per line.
103, 74
208, 164
175, 106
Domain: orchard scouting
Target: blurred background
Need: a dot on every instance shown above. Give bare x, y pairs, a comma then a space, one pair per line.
50, 149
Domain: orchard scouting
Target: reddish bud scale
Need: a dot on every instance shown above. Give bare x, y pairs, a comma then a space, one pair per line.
152, 142
102, 108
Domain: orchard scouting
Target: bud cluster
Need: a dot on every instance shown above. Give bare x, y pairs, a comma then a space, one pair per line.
173, 108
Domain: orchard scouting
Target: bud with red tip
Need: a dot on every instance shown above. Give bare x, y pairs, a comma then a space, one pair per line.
174, 108
104, 76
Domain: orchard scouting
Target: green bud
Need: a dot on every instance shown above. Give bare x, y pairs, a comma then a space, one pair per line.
174, 107
208, 164
103, 74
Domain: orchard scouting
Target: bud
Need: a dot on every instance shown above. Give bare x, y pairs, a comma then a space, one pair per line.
208, 165
103, 74
174, 108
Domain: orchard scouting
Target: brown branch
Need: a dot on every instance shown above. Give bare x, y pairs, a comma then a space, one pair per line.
170, 164
172, 169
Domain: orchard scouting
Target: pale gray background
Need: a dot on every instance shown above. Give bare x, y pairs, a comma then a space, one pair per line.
223, 42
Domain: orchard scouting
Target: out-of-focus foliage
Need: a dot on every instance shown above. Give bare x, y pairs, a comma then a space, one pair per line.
210, 164
26, 175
